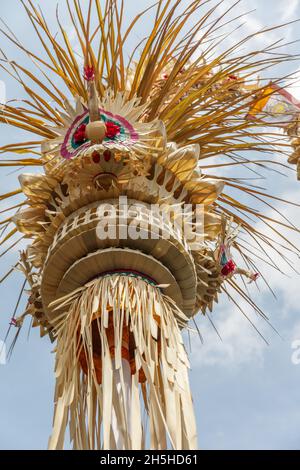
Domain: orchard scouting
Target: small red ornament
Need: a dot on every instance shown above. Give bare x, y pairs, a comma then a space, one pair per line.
112, 130
96, 157
89, 73
79, 135
107, 155
229, 268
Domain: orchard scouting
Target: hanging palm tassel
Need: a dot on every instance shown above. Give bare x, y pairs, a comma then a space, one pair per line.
118, 341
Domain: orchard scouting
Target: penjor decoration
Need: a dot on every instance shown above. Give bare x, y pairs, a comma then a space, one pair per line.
112, 281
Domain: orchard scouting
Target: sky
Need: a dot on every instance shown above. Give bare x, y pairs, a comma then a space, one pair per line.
246, 393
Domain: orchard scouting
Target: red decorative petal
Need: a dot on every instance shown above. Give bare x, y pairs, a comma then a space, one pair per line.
229, 268
89, 73
107, 155
112, 129
79, 135
96, 157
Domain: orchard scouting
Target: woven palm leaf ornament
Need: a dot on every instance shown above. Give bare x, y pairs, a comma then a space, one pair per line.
112, 290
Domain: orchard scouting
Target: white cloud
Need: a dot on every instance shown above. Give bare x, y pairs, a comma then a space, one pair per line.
249, 24
294, 88
240, 343
289, 9
287, 286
